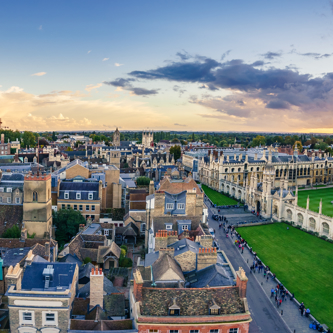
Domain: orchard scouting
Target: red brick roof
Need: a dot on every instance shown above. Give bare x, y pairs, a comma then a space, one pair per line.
177, 187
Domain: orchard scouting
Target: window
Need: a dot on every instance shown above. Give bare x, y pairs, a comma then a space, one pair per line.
180, 206
173, 331
68, 206
106, 232
194, 331
63, 206
17, 200
90, 196
78, 196
1, 189
50, 318
92, 207
169, 206
80, 207
66, 195
214, 311
214, 331
34, 196
9, 190
143, 227
168, 227
75, 207
87, 207
174, 312
184, 227
27, 317
9, 200
153, 331
233, 330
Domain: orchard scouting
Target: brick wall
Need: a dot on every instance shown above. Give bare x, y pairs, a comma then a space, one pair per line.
206, 257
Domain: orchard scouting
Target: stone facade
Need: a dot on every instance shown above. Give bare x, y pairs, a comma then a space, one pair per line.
206, 257
116, 138
147, 138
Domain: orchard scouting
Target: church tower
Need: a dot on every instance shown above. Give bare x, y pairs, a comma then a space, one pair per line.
37, 205
116, 138
147, 138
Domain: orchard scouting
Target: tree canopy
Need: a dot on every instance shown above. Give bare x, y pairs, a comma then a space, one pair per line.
176, 151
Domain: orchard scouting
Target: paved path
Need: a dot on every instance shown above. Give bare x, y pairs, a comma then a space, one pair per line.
265, 316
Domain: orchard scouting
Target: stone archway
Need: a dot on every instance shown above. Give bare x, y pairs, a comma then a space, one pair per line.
258, 206
300, 219
289, 215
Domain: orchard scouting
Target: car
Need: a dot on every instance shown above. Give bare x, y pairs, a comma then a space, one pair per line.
211, 230
215, 217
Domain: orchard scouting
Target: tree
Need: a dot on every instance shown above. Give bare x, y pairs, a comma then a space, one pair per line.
54, 137
176, 151
143, 181
69, 149
258, 140
175, 140
67, 223
29, 139
321, 146
13, 232
299, 146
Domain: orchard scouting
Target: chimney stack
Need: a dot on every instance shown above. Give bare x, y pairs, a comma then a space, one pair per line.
14, 276
2, 138
241, 282
47, 251
96, 287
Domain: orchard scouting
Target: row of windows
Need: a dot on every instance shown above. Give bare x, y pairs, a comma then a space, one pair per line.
231, 330
9, 200
8, 190
78, 196
170, 206
93, 208
49, 318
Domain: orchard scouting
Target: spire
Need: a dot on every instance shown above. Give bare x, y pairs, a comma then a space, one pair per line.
308, 202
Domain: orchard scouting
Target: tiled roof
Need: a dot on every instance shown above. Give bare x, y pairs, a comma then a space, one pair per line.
114, 304
79, 187
107, 287
192, 302
166, 268
177, 187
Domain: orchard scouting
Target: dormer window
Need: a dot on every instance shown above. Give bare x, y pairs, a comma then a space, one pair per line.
90, 196
9, 189
169, 206
78, 196
66, 195
174, 309
214, 309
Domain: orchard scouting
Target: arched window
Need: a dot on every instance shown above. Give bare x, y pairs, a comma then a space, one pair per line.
289, 214
299, 218
312, 223
257, 168
277, 173
326, 228
35, 196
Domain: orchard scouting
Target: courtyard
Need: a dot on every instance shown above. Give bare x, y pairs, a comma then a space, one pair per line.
218, 198
302, 262
315, 195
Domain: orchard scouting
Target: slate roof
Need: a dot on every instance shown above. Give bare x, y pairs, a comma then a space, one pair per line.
211, 276
192, 302
79, 187
185, 245
107, 287
33, 276
13, 176
71, 258
85, 270
14, 256
114, 304
177, 187
166, 264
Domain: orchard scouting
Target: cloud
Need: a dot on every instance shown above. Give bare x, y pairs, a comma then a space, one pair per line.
68, 110
179, 90
89, 51
118, 65
90, 87
40, 27
183, 55
126, 84
272, 55
105, 59
176, 124
225, 54
39, 74
316, 55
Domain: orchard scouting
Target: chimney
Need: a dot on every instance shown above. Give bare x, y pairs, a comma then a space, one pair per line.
96, 287
55, 253
206, 257
151, 187
14, 276
137, 286
24, 234
2, 138
255, 156
81, 227
47, 251
169, 250
241, 282
29, 258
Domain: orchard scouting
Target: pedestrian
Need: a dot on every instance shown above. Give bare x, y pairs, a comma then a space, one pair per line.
272, 292
267, 278
264, 274
307, 312
302, 307
280, 301
242, 249
292, 296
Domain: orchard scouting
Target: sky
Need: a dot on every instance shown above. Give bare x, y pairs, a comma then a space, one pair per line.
167, 65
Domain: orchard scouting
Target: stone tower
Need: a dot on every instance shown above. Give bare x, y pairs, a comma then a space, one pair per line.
37, 205
116, 138
147, 138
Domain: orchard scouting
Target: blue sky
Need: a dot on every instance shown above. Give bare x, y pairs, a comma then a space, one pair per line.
100, 64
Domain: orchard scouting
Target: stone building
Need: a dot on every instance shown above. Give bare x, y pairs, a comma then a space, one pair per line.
147, 138
41, 297
116, 138
4, 147
37, 205
11, 188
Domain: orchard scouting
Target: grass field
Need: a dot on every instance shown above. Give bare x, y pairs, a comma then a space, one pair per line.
218, 198
315, 195
302, 262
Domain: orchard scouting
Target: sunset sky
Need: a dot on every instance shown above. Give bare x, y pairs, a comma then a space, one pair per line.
167, 65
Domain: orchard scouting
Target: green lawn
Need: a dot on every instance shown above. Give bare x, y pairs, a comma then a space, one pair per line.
315, 195
218, 198
302, 262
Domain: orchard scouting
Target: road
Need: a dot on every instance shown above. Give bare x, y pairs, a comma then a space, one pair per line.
265, 318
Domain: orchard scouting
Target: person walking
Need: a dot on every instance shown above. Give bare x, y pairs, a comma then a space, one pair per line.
307, 312
242, 249
280, 301
272, 292
302, 307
